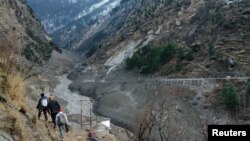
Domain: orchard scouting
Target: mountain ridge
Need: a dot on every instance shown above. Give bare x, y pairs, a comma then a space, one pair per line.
71, 18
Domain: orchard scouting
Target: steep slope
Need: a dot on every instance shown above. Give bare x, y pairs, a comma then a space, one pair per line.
183, 40
197, 41
56, 14
215, 33
27, 56
19, 27
22, 41
68, 21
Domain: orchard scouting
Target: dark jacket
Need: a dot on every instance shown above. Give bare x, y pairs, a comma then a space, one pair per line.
53, 106
92, 139
39, 105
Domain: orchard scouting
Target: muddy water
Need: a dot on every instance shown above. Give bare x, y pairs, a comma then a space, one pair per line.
73, 103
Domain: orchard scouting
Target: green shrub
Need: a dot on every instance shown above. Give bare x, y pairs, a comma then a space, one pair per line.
33, 36
213, 53
41, 50
133, 61
227, 24
181, 54
185, 54
219, 19
37, 53
190, 55
29, 53
230, 97
167, 52
211, 50
148, 59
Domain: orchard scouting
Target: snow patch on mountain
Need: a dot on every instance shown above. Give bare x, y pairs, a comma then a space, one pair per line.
72, 1
106, 4
110, 7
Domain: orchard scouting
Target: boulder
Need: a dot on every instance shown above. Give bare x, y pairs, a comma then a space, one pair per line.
178, 108
178, 22
196, 47
231, 63
246, 12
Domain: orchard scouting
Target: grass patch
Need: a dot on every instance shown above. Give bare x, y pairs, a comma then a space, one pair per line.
16, 89
15, 126
12, 83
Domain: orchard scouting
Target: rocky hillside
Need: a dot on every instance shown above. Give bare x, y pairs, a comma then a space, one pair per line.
56, 14
21, 28
68, 21
213, 34
23, 45
28, 61
185, 41
195, 41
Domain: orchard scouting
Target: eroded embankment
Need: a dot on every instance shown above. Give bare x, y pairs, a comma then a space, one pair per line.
124, 97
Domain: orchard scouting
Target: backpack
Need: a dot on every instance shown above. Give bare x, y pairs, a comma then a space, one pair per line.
62, 119
44, 102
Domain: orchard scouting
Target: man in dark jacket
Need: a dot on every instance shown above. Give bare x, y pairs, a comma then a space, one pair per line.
42, 106
53, 107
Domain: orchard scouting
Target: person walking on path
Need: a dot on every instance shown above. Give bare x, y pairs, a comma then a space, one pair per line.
53, 107
91, 136
42, 106
61, 122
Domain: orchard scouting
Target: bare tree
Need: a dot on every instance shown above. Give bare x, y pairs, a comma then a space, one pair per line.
154, 122
147, 121
202, 124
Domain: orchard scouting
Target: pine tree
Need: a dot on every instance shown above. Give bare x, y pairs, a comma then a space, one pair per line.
230, 97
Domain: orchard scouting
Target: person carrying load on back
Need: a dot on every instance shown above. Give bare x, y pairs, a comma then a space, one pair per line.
53, 108
42, 106
91, 136
61, 122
